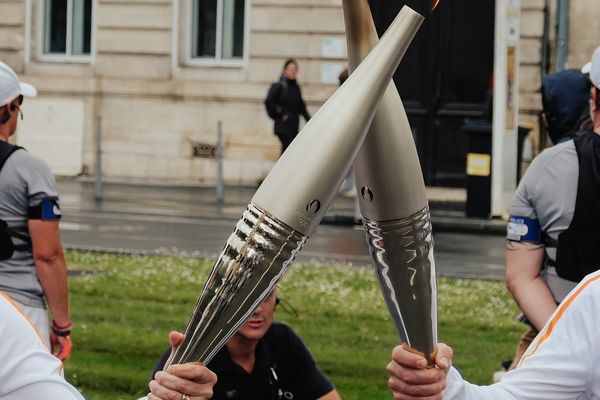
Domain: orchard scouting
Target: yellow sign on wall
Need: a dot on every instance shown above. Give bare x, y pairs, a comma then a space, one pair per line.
479, 164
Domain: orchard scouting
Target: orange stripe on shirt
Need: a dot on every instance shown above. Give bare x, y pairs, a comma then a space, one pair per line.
18, 309
561, 310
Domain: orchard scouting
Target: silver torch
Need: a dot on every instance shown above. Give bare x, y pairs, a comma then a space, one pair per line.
393, 202
292, 200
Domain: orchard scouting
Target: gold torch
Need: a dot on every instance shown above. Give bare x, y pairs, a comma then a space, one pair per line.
291, 201
393, 202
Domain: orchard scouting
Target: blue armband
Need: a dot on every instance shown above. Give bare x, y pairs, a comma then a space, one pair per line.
47, 210
522, 229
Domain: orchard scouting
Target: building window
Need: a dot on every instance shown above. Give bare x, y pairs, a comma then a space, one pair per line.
218, 31
67, 29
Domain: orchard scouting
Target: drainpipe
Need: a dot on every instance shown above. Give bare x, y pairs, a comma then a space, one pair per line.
562, 33
27, 40
545, 64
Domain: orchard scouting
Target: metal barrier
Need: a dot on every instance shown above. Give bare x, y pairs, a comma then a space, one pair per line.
220, 184
98, 184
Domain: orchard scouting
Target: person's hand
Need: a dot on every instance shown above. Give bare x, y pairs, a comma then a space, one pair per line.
61, 346
60, 340
183, 381
412, 378
192, 379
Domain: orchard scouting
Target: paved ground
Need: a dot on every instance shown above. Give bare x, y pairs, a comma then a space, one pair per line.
165, 219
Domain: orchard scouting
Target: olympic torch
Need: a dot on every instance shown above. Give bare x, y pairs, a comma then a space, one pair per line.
292, 200
393, 202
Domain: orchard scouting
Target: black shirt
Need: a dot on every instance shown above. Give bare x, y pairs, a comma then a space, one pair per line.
283, 369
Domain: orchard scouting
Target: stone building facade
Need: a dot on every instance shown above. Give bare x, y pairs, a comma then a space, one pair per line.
160, 85
583, 23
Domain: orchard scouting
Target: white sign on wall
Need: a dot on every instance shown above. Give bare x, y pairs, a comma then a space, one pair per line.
333, 47
52, 129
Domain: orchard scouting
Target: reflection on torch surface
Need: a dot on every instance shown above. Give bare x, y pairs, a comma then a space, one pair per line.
434, 4
402, 252
291, 201
255, 257
393, 202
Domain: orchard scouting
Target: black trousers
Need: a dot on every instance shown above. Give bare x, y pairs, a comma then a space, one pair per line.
286, 139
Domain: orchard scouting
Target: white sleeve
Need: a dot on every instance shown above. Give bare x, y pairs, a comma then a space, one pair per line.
27, 370
51, 390
559, 363
459, 389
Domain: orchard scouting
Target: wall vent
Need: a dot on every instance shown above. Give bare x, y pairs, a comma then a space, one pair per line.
203, 150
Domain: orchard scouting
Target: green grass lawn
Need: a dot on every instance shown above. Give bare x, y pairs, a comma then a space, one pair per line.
123, 313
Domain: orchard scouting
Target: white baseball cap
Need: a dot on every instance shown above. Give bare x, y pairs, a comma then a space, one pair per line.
10, 87
595, 68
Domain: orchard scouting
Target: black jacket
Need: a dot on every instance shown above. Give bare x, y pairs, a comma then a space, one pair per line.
285, 104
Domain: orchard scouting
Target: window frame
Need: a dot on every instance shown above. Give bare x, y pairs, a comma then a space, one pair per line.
215, 62
67, 56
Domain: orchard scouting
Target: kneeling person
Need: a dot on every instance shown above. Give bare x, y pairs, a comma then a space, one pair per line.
267, 360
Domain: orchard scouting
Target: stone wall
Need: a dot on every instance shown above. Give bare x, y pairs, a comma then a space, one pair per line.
12, 28
584, 28
530, 79
584, 23
154, 108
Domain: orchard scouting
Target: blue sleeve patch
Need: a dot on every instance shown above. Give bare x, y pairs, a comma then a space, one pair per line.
522, 229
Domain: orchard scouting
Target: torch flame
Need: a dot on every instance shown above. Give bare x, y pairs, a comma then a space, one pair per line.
434, 4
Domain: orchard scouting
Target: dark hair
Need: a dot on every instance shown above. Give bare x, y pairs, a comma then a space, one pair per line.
343, 76
5, 116
597, 97
290, 61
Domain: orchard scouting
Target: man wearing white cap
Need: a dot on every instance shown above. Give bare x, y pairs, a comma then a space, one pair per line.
537, 274
562, 361
32, 265
33, 270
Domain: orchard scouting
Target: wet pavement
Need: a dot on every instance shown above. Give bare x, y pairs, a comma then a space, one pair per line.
188, 220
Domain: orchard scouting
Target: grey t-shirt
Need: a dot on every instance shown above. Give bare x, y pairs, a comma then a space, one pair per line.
24, 182
547, 192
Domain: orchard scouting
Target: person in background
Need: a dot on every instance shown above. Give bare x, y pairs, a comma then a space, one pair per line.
35, 274
284, 104
542, 263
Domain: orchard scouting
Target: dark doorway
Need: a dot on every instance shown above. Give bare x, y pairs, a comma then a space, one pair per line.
444, 79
